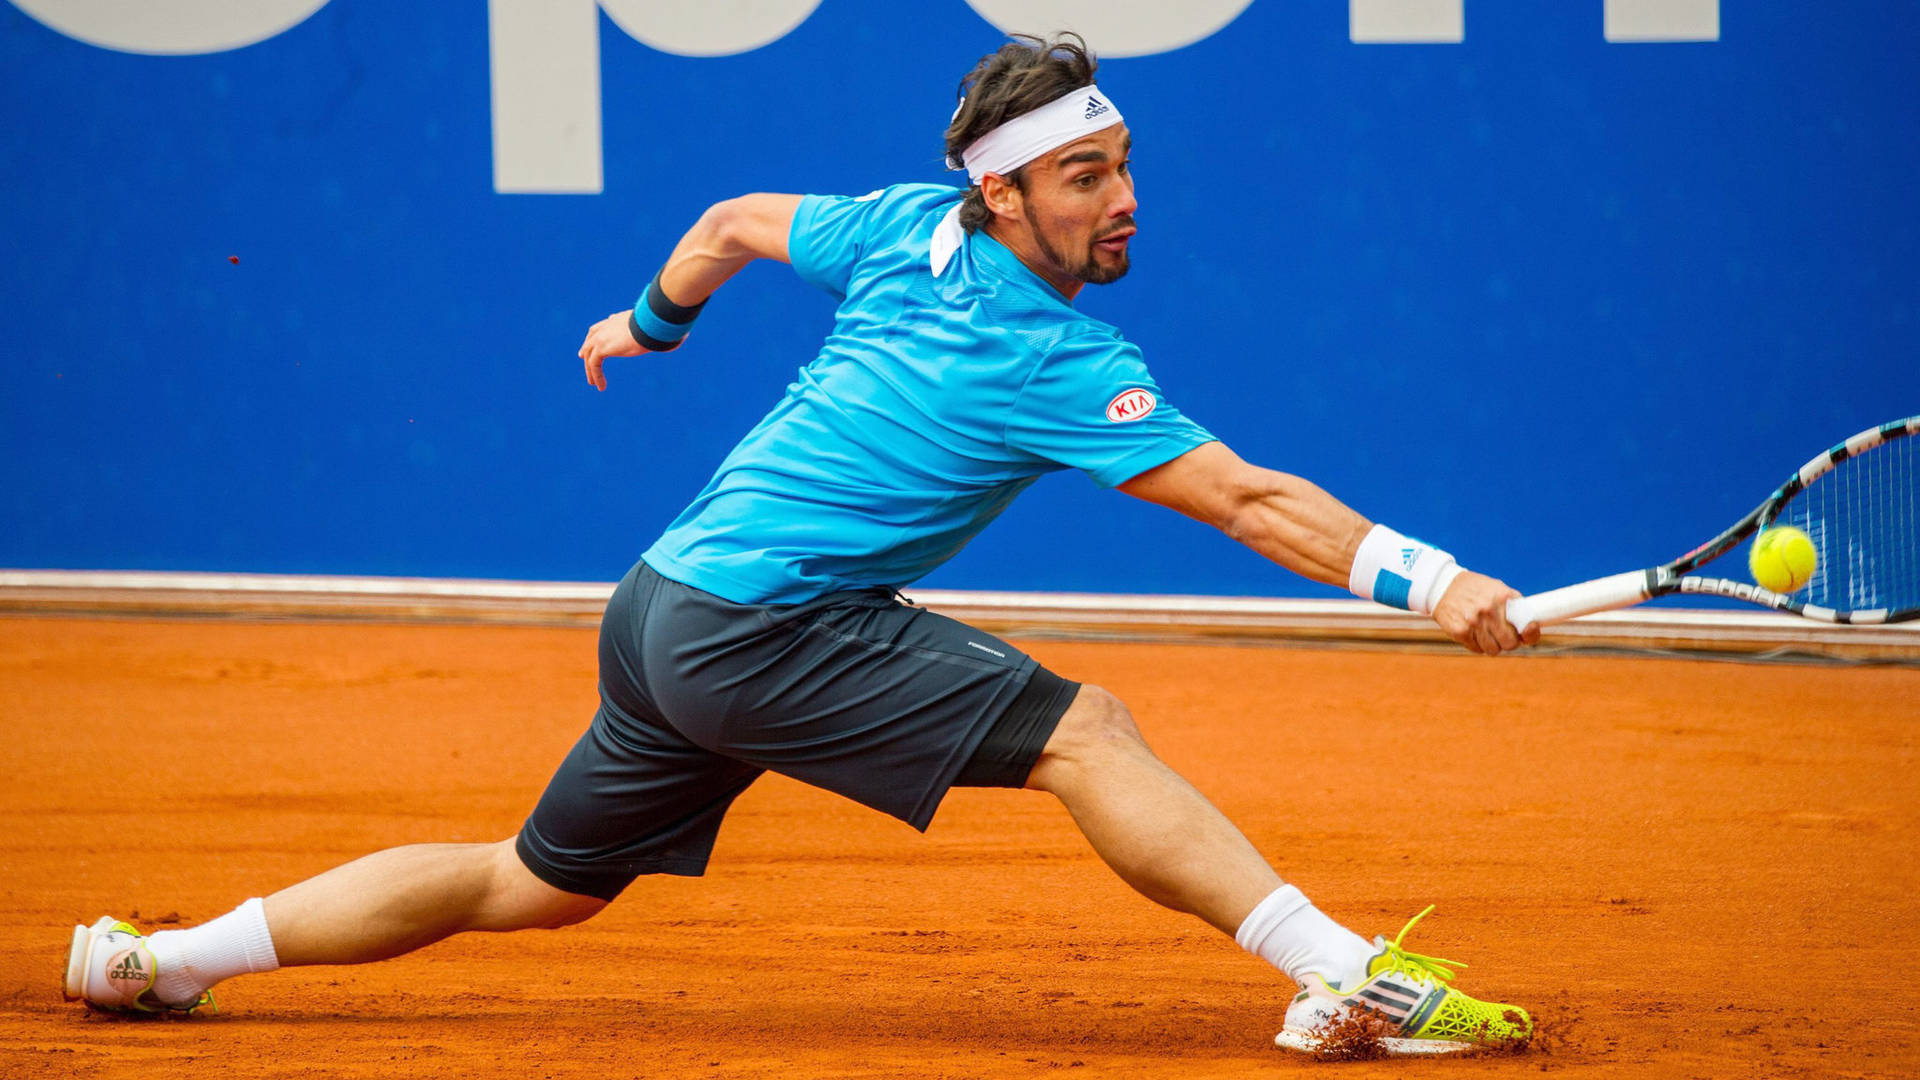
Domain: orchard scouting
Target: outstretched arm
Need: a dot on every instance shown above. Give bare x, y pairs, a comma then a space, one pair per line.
727, 237
1301, 527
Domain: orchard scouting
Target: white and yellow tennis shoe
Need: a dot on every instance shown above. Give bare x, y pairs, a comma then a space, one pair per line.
111, 969
1404, 1006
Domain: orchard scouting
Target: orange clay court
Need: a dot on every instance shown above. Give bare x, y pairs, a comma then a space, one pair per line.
1683, 868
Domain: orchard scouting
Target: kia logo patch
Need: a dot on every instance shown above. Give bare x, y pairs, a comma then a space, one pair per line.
1131, 405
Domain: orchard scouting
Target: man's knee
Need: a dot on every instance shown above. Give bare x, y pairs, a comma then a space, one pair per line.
521, 901
566, 909
1097, 725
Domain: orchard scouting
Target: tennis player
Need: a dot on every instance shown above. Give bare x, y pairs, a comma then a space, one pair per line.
763, 629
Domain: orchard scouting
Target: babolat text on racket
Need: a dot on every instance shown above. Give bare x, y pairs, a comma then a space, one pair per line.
1860, 505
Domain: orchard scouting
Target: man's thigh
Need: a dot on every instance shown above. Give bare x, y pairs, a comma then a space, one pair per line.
633, 796
880, 701
886, 703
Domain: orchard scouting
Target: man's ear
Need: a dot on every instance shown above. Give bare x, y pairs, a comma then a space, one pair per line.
1002, 195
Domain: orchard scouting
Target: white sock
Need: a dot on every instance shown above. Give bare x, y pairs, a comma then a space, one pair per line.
191, 961
1287, 931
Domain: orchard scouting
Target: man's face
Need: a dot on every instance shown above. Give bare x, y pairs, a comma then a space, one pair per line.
1078, 201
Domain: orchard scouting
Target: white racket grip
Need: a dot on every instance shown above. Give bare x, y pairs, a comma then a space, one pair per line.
1559, 605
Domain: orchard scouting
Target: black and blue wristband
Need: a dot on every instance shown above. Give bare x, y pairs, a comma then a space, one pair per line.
659, 324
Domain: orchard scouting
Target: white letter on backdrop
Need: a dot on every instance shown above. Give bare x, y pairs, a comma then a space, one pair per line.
1662, 20
708, 27
1115, 27
545, 58
1406, 22
170, 27
546, 74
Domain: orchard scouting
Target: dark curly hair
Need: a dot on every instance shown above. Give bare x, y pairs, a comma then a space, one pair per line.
1013, 80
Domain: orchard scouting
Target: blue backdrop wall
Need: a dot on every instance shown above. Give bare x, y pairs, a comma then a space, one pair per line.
1483, 291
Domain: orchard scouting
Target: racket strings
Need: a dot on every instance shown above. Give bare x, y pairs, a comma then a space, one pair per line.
1864, 521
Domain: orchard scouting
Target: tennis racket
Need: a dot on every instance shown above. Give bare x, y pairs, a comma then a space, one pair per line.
1860, 505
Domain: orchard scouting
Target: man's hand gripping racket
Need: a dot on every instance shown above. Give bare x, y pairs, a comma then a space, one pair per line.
1860, 505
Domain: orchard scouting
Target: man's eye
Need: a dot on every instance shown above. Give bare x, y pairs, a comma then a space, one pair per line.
1085, 181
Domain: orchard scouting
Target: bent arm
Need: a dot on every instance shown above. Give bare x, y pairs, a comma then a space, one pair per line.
1301, 527
727, 237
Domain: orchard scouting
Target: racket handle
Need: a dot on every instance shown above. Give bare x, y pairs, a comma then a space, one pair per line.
1559, 605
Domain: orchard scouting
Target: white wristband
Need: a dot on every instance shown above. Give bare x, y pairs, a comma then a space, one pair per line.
1439, 587
1400, 571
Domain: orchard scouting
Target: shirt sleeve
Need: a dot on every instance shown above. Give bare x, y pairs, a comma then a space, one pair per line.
1092, 405
829, 235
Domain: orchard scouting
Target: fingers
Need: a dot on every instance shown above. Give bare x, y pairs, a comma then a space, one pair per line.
1511, 637
1481, 617
1493, 634
1487, 642
594, 352
1504, 633
608, 337
592, 355
1490, 634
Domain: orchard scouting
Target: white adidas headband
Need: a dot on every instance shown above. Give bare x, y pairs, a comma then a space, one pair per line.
1025, 137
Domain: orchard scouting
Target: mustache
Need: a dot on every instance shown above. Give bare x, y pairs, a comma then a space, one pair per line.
1119, 227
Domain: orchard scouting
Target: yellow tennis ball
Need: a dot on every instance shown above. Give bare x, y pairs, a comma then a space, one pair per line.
1782, 559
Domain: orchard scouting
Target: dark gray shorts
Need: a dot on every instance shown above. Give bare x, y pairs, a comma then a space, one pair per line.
888, 704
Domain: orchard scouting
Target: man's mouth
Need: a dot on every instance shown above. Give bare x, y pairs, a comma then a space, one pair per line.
1116, 241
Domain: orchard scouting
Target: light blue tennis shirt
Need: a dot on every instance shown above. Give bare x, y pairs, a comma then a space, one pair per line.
933, 403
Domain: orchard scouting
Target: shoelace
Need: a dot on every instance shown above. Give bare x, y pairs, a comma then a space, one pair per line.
1401, 961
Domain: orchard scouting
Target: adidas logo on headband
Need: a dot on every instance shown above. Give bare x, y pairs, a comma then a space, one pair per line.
1075, 114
